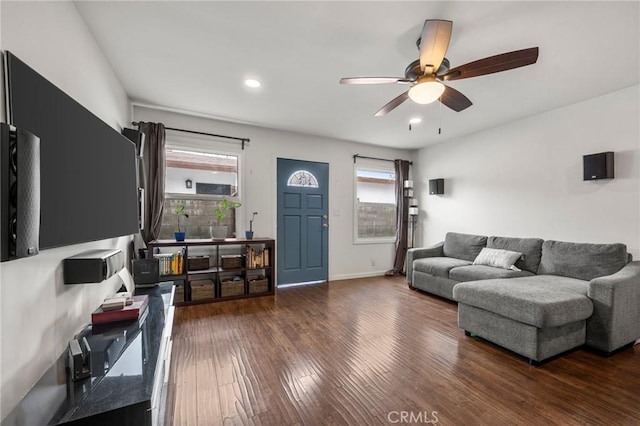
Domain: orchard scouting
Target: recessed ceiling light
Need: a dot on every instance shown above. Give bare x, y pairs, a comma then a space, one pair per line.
252, 83
415, 120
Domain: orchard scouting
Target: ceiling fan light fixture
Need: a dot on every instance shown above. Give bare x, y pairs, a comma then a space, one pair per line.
425, 92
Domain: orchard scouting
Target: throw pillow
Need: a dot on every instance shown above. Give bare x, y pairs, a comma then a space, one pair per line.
498, 258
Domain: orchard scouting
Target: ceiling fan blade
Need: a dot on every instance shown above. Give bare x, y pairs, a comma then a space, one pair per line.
394, 103
434, 43
493, 64
373, 80
455, 100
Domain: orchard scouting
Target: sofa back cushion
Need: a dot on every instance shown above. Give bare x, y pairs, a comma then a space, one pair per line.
531, 249
580, 260
463, 246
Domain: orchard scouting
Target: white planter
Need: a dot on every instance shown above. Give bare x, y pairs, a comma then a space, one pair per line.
218, 232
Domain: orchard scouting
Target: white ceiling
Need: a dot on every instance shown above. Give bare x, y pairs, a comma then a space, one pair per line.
194, 56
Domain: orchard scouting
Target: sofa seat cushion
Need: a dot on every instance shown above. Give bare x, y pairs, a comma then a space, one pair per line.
438, 266
540, 301
482, 272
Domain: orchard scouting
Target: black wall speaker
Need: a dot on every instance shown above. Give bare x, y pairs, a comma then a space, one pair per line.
19, 193
136, 137
598, 166
436, 186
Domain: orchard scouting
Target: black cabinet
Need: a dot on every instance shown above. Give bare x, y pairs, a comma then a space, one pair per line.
128, 370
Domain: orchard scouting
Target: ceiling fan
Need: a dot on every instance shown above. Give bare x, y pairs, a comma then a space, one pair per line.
427, 74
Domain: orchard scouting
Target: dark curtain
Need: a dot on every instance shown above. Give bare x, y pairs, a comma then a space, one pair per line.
153, 178
402, 217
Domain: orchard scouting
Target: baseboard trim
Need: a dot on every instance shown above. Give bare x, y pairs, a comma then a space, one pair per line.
342, 277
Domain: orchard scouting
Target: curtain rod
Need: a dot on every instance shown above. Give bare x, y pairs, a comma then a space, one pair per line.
243, 140
375, 158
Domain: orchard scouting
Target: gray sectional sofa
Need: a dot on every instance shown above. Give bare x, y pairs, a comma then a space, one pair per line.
559, 296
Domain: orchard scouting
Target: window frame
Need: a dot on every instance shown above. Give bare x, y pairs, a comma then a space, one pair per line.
374, 167
220, 150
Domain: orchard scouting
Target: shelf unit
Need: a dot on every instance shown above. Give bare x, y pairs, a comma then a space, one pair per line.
225, 283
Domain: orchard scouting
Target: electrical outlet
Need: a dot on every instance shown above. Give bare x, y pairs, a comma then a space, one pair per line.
373, 262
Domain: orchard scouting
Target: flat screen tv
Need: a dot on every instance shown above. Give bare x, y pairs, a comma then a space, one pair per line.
87, 168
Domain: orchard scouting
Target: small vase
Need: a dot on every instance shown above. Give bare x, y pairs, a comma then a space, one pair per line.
180, 235
248, 235
218, 232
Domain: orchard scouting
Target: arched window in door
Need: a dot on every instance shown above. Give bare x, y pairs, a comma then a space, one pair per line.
302, 178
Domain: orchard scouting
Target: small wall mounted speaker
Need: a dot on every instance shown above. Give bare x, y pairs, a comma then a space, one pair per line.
19, 193
436, 186
598, 166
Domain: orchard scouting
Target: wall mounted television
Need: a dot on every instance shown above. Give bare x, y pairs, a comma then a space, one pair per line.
87, 168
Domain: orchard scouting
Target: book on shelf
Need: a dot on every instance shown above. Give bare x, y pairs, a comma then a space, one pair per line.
257, 259
170, 263
126, 313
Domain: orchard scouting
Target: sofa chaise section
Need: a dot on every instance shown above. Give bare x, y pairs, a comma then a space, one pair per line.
536, 316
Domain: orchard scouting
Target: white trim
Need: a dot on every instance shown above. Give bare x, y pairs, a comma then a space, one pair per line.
301, 284
342, 277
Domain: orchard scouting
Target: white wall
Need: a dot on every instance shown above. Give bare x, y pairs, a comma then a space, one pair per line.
258, 177
525, 178
39, 314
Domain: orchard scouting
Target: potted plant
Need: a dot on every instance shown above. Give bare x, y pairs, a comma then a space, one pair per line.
180, 235
249, 234
219, 231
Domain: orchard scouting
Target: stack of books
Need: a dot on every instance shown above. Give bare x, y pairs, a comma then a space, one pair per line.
117, 301
120, 308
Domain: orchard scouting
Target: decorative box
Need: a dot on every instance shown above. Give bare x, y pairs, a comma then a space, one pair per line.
198, 263
231, 261
178, 297
231, 288
202, 289
258, 286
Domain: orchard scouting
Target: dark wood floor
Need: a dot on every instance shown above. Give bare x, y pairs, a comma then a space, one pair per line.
363, 351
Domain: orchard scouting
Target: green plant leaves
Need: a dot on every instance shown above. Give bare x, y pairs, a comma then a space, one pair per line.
225, 206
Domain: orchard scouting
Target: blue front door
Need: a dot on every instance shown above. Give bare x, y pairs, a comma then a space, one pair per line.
303, 188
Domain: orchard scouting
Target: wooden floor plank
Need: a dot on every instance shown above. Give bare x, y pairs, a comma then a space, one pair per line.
362, 351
